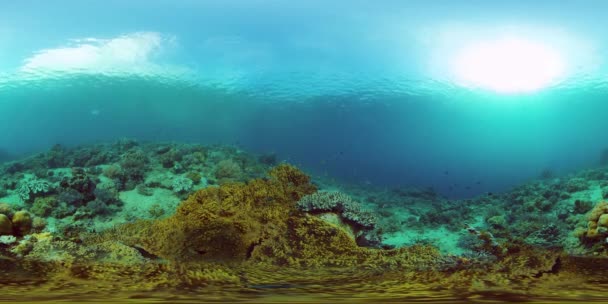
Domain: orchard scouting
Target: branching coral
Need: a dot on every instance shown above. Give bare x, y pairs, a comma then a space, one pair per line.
31, 187
182, 184
7, 239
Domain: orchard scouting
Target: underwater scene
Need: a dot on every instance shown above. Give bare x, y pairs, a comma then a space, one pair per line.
268, 151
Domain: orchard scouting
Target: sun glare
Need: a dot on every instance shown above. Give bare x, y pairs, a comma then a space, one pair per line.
508, 65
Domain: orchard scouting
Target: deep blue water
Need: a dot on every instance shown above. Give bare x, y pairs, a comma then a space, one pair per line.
349, 89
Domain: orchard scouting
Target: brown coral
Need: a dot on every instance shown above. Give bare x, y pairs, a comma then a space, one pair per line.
258, 222
6, 226
224, 223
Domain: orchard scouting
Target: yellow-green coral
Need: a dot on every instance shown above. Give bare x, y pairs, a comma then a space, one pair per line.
44, 206
259, 222
223, 223
22, 222
6, 226
311, 242
6, 209
597, 223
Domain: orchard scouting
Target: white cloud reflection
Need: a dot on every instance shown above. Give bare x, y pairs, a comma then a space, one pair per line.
131, 53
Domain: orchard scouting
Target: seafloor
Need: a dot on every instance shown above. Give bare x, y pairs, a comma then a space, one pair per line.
145, 222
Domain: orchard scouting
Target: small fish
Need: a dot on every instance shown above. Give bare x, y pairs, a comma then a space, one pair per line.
446, 172
95, 112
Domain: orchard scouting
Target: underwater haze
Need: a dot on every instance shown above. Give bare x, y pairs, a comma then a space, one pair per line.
338, 151
363, 92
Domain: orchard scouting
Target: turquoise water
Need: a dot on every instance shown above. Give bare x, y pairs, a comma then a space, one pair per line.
360, 91
467, 138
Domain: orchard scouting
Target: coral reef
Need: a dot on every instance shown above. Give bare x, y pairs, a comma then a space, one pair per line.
85, 184
8, 239
595, 234
6, 226
22, 222
225, 222
257, 222
361, 223
228, 170
195, 177
18, 223
135, 164
182, 184
112, 213
32, 187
